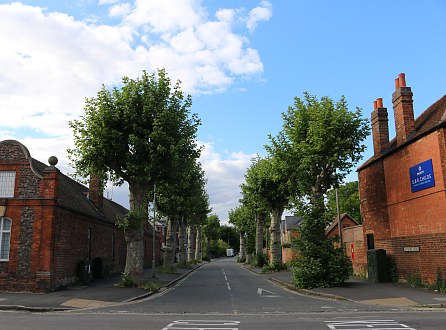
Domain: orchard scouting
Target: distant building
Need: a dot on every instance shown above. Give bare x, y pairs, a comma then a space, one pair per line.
346, 221
402, 187
53, 230
289, 230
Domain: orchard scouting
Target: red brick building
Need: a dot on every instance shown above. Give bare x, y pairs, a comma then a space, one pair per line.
50, 224
402, 187
346, 221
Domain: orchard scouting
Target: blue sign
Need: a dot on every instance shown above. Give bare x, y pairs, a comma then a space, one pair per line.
422, 176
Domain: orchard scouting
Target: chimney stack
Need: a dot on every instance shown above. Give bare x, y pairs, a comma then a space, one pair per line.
95, 192
380, 128
403, 110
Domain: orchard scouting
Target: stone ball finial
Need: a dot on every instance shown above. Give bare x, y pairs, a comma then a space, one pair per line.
53, 160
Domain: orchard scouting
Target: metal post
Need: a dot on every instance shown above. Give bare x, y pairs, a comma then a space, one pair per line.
339, 217
154, 232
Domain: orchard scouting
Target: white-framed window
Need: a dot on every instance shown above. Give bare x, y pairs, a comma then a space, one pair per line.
5, 238
7, 184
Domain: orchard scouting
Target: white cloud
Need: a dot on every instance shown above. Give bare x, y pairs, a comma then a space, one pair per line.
51, 61
119, 10
107, 2
261, 13
225, 175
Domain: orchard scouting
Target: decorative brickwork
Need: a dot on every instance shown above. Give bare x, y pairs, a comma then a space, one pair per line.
25, 242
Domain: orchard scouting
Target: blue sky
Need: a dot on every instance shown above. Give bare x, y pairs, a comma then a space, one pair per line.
242, 61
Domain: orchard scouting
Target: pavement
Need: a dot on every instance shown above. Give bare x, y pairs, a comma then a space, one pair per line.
367, 292
104, 292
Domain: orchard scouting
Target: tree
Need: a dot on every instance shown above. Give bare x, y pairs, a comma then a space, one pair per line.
229, 235
140, 133
211, 230
260, 207
319, 144
267, 183
348, 201
181, 203
242, 217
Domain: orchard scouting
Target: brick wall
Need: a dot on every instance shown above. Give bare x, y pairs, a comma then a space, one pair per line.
399, 218
72, 245
355, 249
422, 212
423, 263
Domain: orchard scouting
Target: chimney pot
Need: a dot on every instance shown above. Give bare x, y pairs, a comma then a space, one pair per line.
374, 105
379, 102
397, 84
402, 79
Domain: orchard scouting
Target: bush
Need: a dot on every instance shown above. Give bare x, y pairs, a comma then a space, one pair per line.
275, 267
241, 259
333, 270
259, 260
414, 281
393, 275
320, 263
440, 282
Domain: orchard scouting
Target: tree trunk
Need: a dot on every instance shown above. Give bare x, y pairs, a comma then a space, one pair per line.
208, 248
134, 262
260, 221
242, 244
198, 245
182, 255
169, 254
191, 243
276, 246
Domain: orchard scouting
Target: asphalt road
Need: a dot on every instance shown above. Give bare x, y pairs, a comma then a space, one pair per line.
222, 295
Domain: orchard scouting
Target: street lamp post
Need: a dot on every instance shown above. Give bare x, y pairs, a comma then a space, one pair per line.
154, 232
339, 217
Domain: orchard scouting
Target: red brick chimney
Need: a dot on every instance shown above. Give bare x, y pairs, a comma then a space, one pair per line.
380, 128
403, 110
95, 192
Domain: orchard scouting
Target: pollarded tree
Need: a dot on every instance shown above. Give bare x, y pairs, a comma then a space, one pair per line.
181, 202
260, 208
319, 144
242, 217
140, 133
269, 186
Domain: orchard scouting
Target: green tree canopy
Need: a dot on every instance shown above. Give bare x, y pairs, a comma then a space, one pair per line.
319, 144
141, 133
348, 201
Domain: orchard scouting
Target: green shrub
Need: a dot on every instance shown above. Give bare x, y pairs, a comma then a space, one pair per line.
440, 282
274, 267
414, 281
393, 275
259, 260
126, 282
320, 263
241, 259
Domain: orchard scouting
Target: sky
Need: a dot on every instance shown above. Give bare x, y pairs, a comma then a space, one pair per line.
243, 62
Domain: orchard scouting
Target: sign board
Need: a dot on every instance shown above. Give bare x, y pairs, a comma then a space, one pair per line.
411, 249
422, 176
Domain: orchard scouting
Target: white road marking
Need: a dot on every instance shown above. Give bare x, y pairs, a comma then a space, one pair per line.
229, 287
203, 324
271, 294
366, 324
